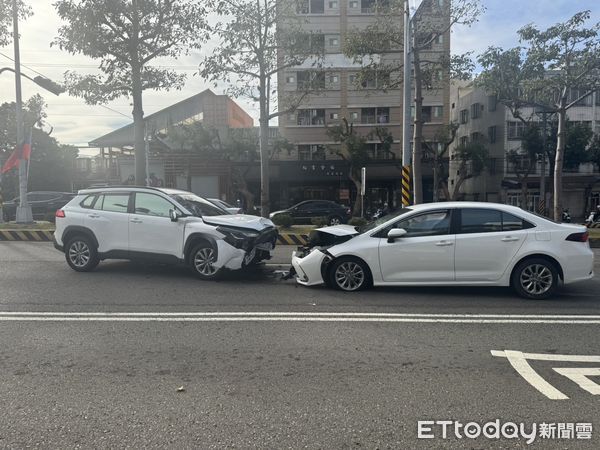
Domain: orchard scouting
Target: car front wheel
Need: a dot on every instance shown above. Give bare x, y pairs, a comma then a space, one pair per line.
334, 220
202, 261
350, 274
81, 254
535, 278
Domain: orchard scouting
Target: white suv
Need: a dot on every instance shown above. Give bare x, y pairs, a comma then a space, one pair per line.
164, 225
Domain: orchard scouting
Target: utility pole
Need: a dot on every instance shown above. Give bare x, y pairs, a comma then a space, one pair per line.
24, 214
406, 99
542, 205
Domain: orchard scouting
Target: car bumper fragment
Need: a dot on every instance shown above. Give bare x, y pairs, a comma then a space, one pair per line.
308, 268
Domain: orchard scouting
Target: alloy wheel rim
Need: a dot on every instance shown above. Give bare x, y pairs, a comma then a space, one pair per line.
79, 254
349, 276
334, 221
536, 279
203, 261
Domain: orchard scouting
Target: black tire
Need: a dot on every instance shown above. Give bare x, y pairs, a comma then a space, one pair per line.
535, 278
200, 261
350, 275
81, 254
334, 220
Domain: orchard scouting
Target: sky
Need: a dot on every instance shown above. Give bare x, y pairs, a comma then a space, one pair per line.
76, 123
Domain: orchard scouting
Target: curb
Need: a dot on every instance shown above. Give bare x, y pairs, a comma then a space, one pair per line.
26, 235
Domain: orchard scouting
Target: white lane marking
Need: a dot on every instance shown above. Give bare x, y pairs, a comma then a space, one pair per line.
580, 377
520, 364
300, 313
518, 360
288, 319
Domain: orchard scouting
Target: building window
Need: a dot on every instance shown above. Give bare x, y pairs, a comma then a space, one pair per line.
311, 7
372, 6
492, 103
492, 134
333, 79
515, 129
292, 117
464, 141
333, 4
310, 79
375, 115
311, 117
354, 115
377, 151
476, 109
334, 42
334, 116
464, 116
311, 153
439, 39
352, 79
476, 137
290, 79
353, 4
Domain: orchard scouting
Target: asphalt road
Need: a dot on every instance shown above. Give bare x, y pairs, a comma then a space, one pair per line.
96, 360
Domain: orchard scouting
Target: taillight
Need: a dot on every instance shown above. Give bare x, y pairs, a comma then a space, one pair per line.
578, 237
60, 213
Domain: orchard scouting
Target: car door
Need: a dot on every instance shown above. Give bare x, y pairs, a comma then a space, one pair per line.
37, 203
109, 220
424, 254
304, 212
151, 230
486, 241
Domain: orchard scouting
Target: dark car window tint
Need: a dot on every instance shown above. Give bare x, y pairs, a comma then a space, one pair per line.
513, 223
429, 224
152, 205
115, 202
480, 221
34, 197
306, 206
88, 201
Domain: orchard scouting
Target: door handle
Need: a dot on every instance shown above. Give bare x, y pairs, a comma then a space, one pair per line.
93, 216
444, 243
510, 239
136, 221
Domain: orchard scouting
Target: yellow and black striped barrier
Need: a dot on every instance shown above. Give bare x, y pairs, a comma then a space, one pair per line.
26, 235
405, 185
593, 225
292, 239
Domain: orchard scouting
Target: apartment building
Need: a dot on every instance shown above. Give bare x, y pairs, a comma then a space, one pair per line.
484, 120
312, 170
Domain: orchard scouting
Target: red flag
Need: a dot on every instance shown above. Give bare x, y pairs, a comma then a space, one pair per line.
13, 159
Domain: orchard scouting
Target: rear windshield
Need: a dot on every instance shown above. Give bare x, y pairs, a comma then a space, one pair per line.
198, 206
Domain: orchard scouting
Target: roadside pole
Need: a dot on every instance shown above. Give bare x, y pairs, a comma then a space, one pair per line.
363, 183
24, 214
406, 150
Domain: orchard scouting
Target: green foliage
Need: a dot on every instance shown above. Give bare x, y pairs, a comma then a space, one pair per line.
6, 24
319, 221
357, 221
352, 148
472, 158
283, 220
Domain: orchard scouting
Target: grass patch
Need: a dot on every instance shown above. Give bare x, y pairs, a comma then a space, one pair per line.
31, 226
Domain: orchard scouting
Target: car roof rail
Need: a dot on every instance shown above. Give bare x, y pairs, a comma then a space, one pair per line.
101, 188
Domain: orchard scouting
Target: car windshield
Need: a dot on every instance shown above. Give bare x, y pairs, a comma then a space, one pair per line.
198, 206
375, 223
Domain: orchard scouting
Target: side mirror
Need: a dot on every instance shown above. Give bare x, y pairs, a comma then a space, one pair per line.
395, 233
173, 215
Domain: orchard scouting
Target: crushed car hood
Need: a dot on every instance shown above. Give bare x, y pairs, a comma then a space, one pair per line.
328, 236
240, 221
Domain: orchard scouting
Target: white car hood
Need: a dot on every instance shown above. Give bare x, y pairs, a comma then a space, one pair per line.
339, 230
240, 221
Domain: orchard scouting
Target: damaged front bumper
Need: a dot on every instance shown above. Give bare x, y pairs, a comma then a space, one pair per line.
309, 266
230, 257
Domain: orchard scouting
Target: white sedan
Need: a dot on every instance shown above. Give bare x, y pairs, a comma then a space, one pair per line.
449, 244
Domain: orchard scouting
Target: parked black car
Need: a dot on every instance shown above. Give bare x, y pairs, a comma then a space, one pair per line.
43, 204
304, 212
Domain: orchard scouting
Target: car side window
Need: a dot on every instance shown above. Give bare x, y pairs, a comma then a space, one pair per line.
88, 201
433, 223
115, 203
514, 223
306, 206
475, 220
152, 205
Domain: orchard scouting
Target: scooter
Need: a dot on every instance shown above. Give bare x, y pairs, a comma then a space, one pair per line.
566, 217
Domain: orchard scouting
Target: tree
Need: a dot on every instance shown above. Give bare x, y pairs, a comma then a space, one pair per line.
51, 164
470, 159
444, 138
259, 40
6, 19
126, 36
375, 46
352, 148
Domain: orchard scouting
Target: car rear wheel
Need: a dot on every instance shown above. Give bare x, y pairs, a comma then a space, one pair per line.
535, 278
202, 261
334, 220
81, 254
350, 274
